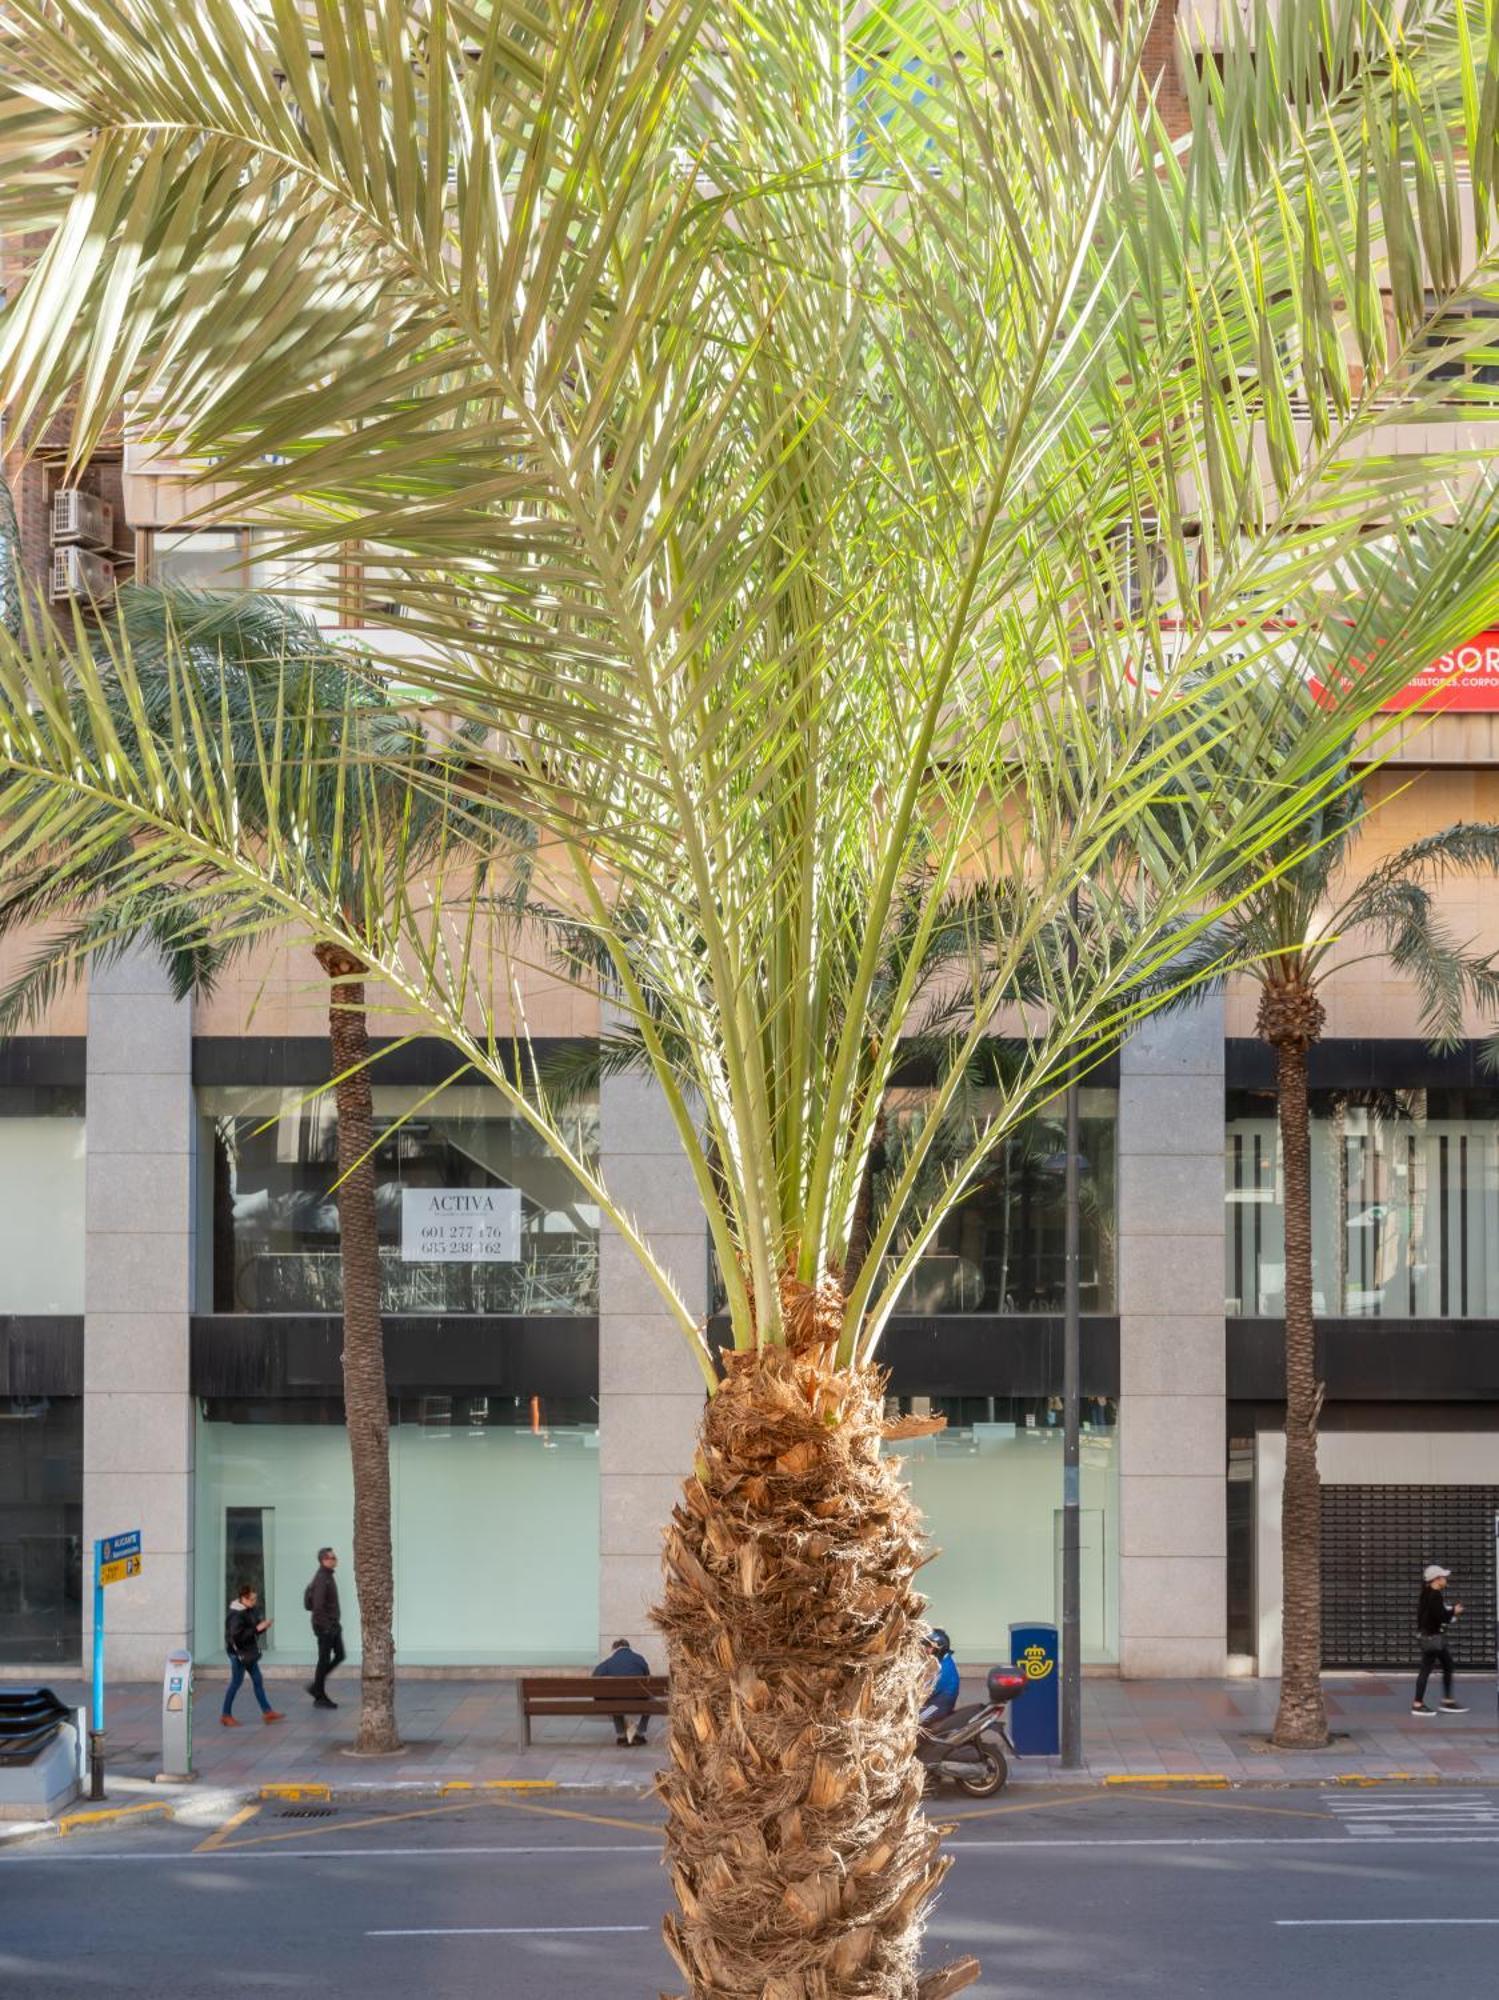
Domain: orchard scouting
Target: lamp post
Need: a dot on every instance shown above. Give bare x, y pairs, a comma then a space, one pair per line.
1072, 1662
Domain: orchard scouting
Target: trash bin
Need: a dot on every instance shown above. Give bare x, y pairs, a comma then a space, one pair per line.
177, 1719
1035, 1718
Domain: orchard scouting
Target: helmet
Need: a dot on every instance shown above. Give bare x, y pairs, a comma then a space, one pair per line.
938, 1642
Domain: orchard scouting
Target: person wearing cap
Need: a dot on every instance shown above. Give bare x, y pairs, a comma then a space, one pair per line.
1433, 1615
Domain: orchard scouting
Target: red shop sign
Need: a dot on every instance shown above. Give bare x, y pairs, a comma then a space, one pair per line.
1464, 681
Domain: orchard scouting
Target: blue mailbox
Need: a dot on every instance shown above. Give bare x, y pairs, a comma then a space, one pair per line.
1035, 1716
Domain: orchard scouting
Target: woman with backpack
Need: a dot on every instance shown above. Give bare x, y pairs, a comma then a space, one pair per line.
242, 1630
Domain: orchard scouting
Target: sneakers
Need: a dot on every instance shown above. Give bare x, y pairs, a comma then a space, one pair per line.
1453, 1708
228, 1722
272, 1715
1420, 1708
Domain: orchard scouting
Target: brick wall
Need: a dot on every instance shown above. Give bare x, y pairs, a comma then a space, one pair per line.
1162, 68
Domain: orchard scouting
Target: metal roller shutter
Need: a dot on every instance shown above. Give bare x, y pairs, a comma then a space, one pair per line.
1376, 1540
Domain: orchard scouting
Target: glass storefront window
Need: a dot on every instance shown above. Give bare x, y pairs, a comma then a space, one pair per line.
495, 1512
1405, 1206
41, 1529
272, 1211
41, 1213
1001, 1250
990, 1492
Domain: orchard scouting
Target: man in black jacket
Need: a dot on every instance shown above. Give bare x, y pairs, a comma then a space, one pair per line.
623, 1659
321, 1599
1433, 1615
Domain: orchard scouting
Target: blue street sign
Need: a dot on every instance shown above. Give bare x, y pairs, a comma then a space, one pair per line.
113, 1548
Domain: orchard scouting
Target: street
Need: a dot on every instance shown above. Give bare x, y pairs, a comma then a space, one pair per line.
1288, 1892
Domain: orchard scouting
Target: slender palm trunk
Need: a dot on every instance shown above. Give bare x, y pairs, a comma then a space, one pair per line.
1301, 1721
366, 1404
802, 1862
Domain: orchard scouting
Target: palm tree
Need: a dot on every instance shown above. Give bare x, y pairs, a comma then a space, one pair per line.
256, 655
1289, 934
750, 413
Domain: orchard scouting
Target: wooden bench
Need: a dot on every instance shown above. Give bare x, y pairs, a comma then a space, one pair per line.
588, 1695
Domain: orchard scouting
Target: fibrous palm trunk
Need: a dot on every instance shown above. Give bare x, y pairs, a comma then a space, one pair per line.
802, 1862
366, 1404
1291, 1019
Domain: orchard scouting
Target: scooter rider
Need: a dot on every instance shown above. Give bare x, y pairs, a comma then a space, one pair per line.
943, 1698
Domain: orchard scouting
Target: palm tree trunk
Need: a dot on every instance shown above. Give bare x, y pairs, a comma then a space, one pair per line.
366, 1403
802, 1862
1301, 1721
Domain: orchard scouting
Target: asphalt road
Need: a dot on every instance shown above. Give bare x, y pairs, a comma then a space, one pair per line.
1366, 1893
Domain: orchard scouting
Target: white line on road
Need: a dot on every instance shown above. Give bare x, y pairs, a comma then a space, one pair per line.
521, 1930
1336, 1838
1366, 1923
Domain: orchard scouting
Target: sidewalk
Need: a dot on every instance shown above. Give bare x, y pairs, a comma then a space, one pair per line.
466, 1730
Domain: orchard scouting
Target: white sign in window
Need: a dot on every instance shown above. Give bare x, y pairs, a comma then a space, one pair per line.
460, 1225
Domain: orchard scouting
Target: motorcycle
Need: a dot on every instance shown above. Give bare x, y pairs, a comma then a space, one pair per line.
965, 1747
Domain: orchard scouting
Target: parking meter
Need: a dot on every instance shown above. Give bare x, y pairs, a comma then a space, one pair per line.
177, 1719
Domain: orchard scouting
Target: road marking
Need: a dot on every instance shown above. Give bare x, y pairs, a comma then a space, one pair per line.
654, 1829
1230, 1805
1019, 1849
221, 1833
1368, 1923
1363, 1817
1030, 1805
525, 1930
250, 1851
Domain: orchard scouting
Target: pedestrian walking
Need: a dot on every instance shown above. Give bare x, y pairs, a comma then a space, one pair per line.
242, 1632
623, 1659
321, 1599
1433, 1615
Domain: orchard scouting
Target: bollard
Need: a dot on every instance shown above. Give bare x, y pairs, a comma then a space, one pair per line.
177, 1720
96, 1763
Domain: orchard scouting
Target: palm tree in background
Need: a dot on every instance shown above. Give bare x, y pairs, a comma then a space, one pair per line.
748, 416
252, 659
1290, 935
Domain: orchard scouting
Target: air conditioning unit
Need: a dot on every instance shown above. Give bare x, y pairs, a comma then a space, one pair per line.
82, 517
79, 573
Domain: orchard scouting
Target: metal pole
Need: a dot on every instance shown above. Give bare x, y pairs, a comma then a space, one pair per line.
1072, 1655
96, 1732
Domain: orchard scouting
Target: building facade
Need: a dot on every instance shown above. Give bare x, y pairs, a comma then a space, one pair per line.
169, 1292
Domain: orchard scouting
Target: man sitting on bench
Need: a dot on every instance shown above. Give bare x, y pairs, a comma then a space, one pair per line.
623, 1659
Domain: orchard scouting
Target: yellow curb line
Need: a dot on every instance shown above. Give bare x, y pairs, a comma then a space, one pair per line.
498, 1785
296, 1791
1212, 1780
1392, 1778
79, 1822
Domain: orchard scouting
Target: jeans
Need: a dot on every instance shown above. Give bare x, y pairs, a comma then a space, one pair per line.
1434, 1652
238, 1670
330, 1654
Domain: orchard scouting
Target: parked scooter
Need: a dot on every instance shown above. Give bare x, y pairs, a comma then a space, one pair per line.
968, 1747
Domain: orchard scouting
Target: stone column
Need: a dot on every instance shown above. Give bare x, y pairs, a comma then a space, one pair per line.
650, 1389
1173, 1570
137, 1408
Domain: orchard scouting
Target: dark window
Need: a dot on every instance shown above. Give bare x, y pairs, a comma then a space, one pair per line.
1405, 1205
274, 1209
1001, 1249
41, 1528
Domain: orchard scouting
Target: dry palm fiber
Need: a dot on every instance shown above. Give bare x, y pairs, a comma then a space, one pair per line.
802, 1862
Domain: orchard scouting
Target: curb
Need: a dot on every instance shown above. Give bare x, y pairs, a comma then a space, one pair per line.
82, 1822
1203, 1780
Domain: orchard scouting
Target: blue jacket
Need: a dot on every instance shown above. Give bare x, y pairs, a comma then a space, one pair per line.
625, 1661
943, 1698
